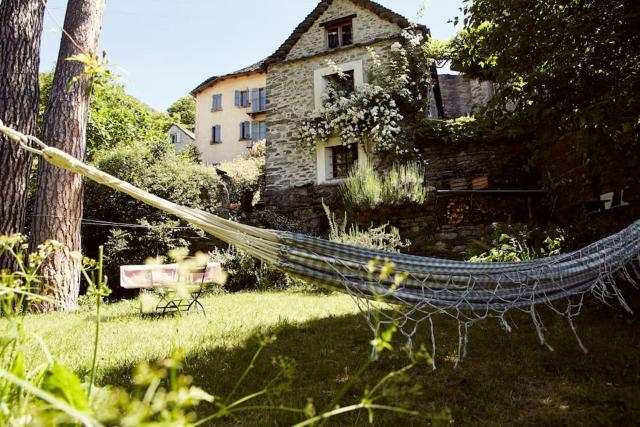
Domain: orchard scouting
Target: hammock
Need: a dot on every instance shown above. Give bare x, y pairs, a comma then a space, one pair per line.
467, 292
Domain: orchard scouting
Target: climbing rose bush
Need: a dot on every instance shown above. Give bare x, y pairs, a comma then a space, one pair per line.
369, 114
384, 113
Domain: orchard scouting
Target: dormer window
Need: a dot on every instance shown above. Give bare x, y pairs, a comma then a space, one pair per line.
339, 32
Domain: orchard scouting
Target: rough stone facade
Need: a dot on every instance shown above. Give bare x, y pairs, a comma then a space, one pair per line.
290, 88
367, 26
462, 95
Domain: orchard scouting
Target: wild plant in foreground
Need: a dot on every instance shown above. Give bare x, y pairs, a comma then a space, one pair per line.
52, 394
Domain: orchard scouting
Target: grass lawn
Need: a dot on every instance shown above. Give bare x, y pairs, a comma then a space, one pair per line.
507, 379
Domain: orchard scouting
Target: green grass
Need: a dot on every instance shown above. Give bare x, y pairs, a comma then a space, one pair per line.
507, 379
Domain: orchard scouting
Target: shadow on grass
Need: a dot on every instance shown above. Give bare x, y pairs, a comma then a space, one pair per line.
507, 379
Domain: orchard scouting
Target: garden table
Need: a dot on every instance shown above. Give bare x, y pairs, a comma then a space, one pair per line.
178, 291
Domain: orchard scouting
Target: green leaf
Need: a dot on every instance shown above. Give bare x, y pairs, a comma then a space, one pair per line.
18, 365
61, 382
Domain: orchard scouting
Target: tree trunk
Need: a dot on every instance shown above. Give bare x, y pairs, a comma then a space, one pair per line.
58, 209
20, 35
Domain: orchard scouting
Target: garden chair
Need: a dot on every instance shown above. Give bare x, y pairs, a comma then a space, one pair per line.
178, 292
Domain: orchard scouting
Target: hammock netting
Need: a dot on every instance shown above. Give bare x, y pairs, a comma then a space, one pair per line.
467, 292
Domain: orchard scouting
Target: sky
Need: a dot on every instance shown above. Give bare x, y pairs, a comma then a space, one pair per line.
165, 48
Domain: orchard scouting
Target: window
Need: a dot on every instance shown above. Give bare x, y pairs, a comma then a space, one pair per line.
216, 134
343, 158
174, 138
259, 100
323, 77
242, 98
259, 131
344, 84
245, 131
339, 33
217, 102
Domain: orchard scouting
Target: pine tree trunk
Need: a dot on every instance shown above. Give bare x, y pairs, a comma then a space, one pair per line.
20, 35
58, 209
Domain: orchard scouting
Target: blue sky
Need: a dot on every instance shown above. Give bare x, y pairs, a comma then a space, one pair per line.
165, 48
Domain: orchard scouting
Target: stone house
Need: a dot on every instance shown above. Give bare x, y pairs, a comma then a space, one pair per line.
180, 137
340, 32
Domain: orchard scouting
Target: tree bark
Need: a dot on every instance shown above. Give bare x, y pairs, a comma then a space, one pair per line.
58, 208
20, 36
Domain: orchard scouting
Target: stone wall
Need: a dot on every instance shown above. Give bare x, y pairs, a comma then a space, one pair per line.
447, 222
501, 160
367, 26
462, 95
443, 227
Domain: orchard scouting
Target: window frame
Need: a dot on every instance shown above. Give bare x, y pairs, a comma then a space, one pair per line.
216, 106
349, 158
245, 130
320, 82
245, 98
338, 25
216, 134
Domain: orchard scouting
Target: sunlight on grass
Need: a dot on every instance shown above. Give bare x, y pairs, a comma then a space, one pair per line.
127, 338
507, 378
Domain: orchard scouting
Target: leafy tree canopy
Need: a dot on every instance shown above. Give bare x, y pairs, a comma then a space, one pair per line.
183, 111
116, 118
570, 65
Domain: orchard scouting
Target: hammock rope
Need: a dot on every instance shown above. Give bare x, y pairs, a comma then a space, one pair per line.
467, 292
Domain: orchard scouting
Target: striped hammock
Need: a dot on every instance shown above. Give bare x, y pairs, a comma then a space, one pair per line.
467, 292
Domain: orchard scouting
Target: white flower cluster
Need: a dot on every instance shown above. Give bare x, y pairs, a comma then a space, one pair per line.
413, 36
368, 115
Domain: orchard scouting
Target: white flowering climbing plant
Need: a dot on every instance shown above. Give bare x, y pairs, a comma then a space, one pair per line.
369, 114
383, 113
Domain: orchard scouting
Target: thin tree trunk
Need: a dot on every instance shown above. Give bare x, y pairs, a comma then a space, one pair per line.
20, 36
58, 209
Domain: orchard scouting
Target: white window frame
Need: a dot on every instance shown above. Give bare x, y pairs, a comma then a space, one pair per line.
320, 83
324, 160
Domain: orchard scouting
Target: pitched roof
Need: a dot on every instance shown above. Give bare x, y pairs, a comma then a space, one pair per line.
253, 68
304, 26
185, 130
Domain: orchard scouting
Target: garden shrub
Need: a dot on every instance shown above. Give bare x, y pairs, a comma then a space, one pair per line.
509, 243
384, 237
156, 168
461, 129
247, 273
191, 153
244, 176
366, 188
